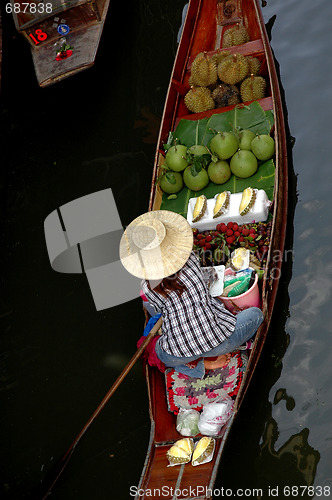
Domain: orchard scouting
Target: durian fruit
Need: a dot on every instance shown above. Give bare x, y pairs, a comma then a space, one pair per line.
254, 65
203, 452
220, 56
233, 69
253, 88
187, 444
248, 200
203, 71
199, 99
226, 95
240, 259
235, 36
222, 204
200, 208
180, 452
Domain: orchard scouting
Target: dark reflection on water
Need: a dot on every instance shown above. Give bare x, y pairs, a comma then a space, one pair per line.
58, 356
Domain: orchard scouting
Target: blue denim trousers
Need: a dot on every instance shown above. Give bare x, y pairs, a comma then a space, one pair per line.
247, 323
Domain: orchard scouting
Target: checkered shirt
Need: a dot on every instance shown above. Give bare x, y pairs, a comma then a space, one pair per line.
195, 322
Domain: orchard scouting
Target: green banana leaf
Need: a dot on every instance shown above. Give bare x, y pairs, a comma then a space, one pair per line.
190, 132
252, 117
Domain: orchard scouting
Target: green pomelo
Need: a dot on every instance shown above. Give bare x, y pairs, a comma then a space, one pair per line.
171, 182
224, 145
219, 172
245, 139
195, 182
263, 147
176, 158
198, 150
243, 164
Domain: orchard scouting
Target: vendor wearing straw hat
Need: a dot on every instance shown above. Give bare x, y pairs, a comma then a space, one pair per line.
157, 246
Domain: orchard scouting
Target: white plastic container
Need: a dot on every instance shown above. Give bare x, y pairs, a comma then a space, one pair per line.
258, 213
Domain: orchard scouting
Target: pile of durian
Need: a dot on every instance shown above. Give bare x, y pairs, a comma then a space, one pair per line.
224, 78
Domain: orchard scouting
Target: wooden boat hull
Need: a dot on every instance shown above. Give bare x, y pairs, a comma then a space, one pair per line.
200, 33
85, 20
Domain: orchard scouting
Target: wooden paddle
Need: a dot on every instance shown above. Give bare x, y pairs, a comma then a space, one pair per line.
65, 459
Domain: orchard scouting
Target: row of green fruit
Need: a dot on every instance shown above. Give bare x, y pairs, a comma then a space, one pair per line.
215, 246
201, 164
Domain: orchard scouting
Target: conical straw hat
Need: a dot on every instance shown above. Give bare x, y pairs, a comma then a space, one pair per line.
156, 244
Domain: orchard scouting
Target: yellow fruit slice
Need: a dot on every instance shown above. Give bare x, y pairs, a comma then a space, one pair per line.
247, 201
204, 450
180, 452
200, 208
240, 258
222, 204
186, 444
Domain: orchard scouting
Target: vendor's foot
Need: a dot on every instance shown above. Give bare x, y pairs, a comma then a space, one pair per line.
219, 362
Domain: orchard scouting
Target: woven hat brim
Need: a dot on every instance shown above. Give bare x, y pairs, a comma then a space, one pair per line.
167, 258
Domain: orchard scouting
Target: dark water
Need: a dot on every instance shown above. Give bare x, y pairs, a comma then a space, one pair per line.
58, 356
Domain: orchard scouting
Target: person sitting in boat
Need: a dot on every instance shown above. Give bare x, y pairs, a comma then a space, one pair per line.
158, 247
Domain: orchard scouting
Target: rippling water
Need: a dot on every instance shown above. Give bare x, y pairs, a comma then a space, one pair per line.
58, 357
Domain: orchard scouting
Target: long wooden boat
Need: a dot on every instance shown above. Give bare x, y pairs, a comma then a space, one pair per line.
64, 36
203, 30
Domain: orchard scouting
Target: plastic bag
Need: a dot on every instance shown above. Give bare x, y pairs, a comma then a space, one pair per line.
215, 415
187, 422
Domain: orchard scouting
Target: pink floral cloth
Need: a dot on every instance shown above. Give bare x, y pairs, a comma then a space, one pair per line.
193, 393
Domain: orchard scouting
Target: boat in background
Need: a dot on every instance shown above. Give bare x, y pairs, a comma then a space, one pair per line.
63, 35
203, 31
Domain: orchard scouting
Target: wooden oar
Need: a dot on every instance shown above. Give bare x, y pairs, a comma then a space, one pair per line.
64, 460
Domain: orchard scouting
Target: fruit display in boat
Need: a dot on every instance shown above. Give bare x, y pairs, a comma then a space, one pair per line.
195, 180
224, 145
214, 247
233, 69
263, 147
203, 71
243, 164
254, 65
180, 452
200, 208
171, 182
248, 200
176, 158
203, 451
199, 99
226, 95
245, 139
235, 36
219, 172
222, 204
253, 88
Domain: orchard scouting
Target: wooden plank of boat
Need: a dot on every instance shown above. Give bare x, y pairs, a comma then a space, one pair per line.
203, 31
64, 36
